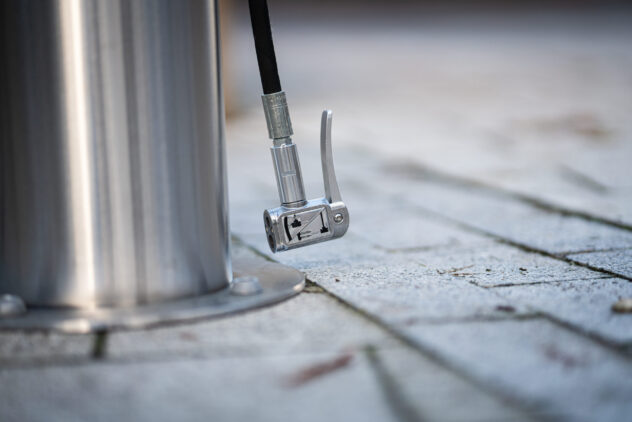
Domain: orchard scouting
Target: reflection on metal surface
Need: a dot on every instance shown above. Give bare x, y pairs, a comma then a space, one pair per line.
112, 170
277, 282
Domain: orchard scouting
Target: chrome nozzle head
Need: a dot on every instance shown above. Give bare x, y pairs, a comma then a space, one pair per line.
315, 222
298, 222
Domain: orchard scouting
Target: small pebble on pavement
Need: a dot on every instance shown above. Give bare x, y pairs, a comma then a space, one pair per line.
623, 305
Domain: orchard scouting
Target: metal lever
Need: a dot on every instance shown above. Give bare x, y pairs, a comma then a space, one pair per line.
298, 222
332, 193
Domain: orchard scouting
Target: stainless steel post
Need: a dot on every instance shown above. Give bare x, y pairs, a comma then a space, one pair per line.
112, 178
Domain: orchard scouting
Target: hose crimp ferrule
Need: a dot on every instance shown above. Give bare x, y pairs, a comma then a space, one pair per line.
277, 115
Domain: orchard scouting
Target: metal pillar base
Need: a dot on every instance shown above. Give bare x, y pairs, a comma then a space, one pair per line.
262, 283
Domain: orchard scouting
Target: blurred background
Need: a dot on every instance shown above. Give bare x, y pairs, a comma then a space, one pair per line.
529, 96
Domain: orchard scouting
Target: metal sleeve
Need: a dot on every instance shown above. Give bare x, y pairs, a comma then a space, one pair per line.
277, 115
288, 174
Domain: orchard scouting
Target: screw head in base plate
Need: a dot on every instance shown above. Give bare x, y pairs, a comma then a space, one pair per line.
11, 306
245, 286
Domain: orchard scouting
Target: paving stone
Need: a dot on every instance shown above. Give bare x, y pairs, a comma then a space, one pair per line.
404, 291
437, 285
398, 228
525, 165
539, 362
306, 323
236, 389
432, 280
254, 388
24, 348
498, 264
436, 394
508, 218
586, 304
619, 261
432, 284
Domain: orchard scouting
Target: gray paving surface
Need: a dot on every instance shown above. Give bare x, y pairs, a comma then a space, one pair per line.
539, 362
618, 261
490, 190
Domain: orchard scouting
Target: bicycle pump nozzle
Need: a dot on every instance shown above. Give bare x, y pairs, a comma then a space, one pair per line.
296, 222
299, 222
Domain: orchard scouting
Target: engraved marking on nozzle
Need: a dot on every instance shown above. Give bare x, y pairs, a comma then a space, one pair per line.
298, 222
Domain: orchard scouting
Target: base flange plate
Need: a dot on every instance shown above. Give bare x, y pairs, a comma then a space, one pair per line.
278, 282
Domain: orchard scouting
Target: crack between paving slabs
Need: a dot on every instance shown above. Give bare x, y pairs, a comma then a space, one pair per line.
622, 349
395, 398
535, 283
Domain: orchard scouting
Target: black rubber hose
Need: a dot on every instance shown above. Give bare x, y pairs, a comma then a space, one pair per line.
264, 46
